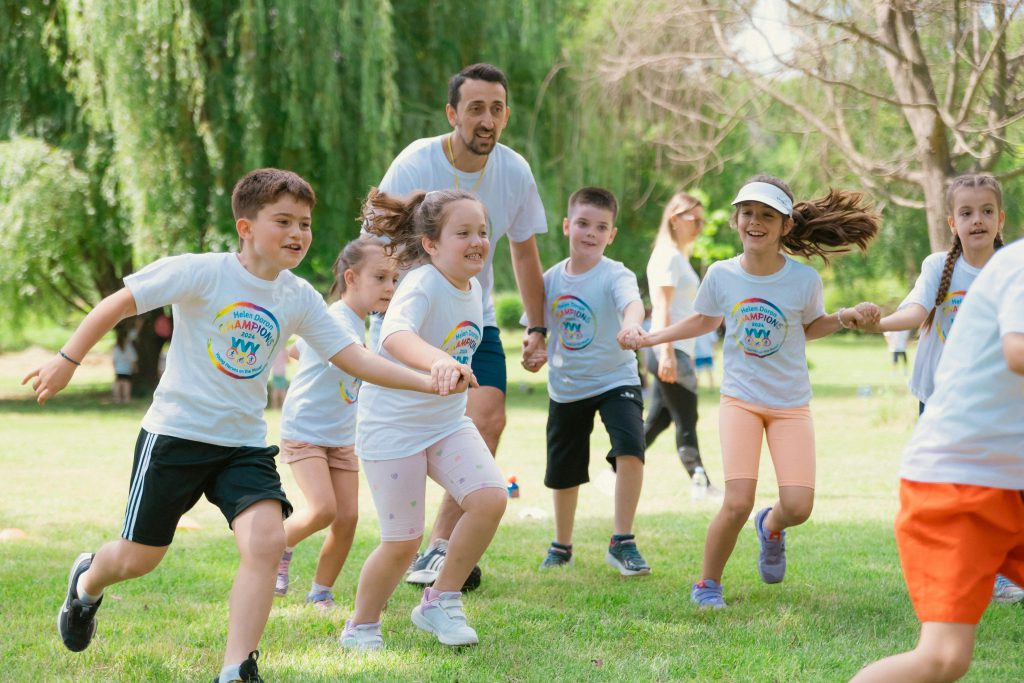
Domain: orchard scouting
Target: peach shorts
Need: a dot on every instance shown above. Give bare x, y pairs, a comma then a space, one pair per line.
336, 457
743, 426
953, 540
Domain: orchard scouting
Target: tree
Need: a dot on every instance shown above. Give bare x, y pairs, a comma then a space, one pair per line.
902, 101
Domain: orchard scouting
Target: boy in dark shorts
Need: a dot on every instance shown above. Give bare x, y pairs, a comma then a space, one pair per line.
204, 433
590, 303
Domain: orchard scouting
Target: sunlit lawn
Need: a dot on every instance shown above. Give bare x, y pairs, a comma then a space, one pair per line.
843, 603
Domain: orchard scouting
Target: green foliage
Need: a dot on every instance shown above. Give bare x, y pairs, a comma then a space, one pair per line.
508, 309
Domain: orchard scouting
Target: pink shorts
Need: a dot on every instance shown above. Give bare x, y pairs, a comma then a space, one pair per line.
336, 457
790, 432
460, 462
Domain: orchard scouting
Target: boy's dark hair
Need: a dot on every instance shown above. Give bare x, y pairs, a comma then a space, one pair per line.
263, 186
594, 196
475, 72
405, 220
825, 226
966, 180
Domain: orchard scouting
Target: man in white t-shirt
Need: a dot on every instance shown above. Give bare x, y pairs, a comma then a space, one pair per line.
471, 158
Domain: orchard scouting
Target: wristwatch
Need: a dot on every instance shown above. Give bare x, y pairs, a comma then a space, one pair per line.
543, 331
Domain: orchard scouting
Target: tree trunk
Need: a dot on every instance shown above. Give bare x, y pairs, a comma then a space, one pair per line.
148, 345
933, 183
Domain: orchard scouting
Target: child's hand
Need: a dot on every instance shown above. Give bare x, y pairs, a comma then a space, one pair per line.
864, 316
629, 337
50, 378
466, 380
447, 374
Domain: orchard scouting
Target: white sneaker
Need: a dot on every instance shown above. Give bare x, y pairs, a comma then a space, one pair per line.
444, 617
361, 636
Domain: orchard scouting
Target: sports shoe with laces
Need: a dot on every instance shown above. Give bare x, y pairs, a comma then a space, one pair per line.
425, 569
443, 616
281, 585
771, 560
558, 556
76, 620
1006, 592
707, 594
248, 672
322, 600
623, 555
361, 636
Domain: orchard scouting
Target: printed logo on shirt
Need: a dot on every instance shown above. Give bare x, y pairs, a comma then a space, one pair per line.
462, 341
947, 313
759, 326
577, 326
350, 393
247, 338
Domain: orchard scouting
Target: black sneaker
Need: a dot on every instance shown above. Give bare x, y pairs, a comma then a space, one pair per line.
76, 621
425, 569
558, 556
473, 580
624, 556
248, 672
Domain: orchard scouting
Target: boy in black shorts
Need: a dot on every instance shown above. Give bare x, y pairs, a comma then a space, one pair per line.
590, 303
204, 433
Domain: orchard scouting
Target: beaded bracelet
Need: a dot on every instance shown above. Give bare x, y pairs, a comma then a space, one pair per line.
67, 357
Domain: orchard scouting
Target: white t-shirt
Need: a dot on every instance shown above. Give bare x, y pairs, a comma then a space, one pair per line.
897, 340
667, 267
394, 423
320, 407
125, 359
228, 324
584, 315
972, 431
764, 347
933, 340
507, 189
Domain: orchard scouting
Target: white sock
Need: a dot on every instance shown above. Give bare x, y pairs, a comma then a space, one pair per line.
289, 549
229, 673
85, 597
317, 588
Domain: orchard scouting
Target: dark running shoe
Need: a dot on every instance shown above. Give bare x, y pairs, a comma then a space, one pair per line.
427, 566
473, 580
248, 672
76, 621
558, 556
624, 556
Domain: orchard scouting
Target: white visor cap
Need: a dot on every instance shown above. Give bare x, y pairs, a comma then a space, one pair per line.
766, 193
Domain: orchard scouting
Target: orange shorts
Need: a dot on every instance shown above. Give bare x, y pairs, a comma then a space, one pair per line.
336, 457
953, 540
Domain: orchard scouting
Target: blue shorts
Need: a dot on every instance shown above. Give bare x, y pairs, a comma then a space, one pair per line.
489, 361
705, 362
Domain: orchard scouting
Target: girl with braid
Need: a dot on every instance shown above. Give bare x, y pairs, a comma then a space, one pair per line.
975, 204
772, 306
976, 216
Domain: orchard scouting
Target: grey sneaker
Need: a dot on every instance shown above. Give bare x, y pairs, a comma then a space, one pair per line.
322, 600
443, 616
771, 560
624, 556
425, 569
76, 621
558, 556
1006, 592
707, 594
361, 636
281, 584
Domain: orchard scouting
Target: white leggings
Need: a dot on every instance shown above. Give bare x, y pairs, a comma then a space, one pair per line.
460, 462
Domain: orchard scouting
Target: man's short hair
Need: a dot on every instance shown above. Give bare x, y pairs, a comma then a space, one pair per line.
263, 186
476, 72
594, 196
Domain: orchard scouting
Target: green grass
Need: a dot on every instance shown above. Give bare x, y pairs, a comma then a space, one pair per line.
843, 604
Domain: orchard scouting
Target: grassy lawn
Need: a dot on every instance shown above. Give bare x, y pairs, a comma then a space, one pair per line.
843, 603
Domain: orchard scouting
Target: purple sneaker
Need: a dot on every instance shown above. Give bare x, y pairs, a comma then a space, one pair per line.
281, 585
322, 600
707, 594
771, 560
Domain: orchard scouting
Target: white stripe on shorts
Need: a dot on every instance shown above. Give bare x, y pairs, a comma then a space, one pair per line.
135, 492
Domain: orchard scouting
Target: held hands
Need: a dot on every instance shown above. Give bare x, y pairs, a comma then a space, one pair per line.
50, 378
448, 376
535, 351
864, 316
632, 337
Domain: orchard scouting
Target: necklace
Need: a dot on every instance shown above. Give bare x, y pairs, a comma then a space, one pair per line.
455, 170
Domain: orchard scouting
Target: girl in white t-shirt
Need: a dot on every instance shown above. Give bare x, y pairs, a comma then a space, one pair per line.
318, 422
771, 305
434, 322
125, 357
975, 205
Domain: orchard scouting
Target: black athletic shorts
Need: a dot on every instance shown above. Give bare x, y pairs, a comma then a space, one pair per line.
169, 476
570, 426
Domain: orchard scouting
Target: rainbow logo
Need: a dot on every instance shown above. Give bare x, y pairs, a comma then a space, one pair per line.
462, 341
946, 313
350, 393
246, 337
759, 327
577, 325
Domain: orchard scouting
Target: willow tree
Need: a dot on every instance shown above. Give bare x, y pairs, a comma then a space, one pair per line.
904, 94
